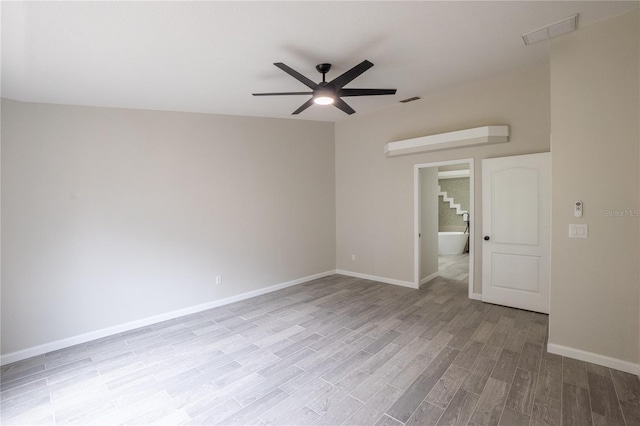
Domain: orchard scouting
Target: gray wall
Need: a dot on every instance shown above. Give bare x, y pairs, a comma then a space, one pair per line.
595, 102
458, 189
111, 215
374, 194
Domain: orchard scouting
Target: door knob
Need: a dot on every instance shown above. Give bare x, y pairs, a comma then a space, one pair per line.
486, 238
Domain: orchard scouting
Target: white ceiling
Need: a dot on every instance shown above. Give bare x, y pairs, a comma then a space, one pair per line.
210, 56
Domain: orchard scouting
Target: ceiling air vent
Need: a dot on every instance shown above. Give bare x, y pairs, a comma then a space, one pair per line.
415, 98
556, 29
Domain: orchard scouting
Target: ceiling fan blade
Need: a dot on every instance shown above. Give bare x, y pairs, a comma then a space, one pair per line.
350, 75
303, 107
282, 93
366, 92
342, 105
295, 74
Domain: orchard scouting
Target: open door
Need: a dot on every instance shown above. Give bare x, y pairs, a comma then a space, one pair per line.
418, 225
516, 213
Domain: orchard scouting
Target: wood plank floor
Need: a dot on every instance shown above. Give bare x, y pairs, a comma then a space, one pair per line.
337, 350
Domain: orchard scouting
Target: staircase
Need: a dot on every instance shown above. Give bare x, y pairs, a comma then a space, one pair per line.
449, 200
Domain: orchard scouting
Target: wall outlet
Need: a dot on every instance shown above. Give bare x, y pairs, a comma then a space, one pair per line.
218, 279
353, 257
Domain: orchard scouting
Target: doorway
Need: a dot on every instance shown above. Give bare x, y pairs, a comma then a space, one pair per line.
427, 227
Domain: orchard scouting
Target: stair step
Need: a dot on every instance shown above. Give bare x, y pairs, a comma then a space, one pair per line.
451, 202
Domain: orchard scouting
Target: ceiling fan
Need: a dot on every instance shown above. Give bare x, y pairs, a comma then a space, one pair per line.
329, 92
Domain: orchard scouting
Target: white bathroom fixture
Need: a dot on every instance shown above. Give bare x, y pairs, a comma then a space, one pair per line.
452, 243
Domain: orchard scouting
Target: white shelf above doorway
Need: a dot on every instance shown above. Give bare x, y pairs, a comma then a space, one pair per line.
461, 138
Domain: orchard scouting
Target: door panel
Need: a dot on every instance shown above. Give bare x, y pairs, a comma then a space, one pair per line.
515, 213
516, 272
516, 228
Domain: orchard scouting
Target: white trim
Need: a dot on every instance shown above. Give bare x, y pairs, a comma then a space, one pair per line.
468, 137
109, 331
603, 360
454, 174
376, 278
476, 296
429, 278
416, 218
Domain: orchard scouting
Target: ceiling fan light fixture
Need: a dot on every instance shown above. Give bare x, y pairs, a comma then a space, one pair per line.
332, 92
323, 100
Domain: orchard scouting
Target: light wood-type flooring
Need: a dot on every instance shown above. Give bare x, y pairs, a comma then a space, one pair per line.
337, 350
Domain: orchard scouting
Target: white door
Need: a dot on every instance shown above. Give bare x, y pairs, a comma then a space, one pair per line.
516, 216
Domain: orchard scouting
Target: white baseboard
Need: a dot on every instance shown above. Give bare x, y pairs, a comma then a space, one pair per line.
429, 278
376, 278
475, 296
109, 331
606, 361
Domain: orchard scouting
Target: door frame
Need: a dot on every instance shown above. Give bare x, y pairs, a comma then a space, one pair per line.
416, 217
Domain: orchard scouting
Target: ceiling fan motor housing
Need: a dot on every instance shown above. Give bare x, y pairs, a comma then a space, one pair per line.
323, 68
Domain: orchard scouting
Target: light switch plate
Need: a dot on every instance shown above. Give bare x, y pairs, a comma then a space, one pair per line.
578, 230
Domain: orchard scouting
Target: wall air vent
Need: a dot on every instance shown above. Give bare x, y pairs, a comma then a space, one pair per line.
415, 98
